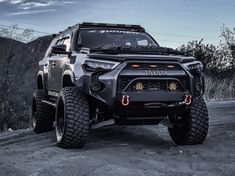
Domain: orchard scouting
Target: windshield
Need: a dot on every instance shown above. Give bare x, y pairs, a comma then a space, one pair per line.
97, 38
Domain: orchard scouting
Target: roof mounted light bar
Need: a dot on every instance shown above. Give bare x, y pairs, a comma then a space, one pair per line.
136, 28
108, 25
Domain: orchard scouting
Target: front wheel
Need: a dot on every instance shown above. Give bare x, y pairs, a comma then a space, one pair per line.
72, 118
192, 128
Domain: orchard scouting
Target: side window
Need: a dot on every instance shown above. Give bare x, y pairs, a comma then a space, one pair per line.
56, 41
48, 52
67, 43
59, 42
143, 42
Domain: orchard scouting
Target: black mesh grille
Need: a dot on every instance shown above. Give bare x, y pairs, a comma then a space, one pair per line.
123, 81
150, 85
184, 83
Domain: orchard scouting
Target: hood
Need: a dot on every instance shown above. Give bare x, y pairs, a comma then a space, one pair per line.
127, 57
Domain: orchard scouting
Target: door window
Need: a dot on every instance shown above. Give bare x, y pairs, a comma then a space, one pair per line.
67, 43
53, 43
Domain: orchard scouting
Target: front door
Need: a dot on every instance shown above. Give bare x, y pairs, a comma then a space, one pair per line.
57, 65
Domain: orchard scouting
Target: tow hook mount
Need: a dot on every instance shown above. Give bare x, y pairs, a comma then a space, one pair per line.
125, 100
188, 100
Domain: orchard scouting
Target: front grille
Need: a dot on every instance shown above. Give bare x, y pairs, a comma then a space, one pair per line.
153, 84
184, 82
152, 66
150, 84
122, 82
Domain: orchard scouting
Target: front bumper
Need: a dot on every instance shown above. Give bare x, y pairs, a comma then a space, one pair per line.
111, 96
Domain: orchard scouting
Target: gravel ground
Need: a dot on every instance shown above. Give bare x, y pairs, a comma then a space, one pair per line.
131, 151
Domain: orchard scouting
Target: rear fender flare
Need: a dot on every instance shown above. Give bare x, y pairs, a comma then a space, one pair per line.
40, 75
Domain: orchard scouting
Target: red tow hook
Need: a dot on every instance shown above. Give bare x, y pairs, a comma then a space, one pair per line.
125, 100
188, 100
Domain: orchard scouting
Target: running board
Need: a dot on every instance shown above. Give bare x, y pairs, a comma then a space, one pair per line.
103, 123
49, 103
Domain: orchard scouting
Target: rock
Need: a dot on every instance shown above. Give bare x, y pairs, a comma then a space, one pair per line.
10, 130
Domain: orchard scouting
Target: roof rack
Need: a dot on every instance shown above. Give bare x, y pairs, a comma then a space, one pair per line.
137, 28
69, 28
108, 25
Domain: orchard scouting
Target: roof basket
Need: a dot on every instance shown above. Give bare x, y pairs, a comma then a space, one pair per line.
136, 28
107, 25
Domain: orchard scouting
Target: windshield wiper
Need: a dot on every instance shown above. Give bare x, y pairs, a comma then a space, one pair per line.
109, 49
121, 48
106, 47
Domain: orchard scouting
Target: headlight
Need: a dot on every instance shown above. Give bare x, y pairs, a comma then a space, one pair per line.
100, 64
194, 66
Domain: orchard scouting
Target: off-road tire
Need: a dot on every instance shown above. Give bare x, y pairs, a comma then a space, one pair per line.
72, 118
193, 127
42, 117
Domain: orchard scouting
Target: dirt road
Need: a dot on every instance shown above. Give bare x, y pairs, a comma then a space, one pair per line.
131, 151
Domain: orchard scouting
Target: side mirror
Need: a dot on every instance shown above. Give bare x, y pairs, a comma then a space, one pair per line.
60, 49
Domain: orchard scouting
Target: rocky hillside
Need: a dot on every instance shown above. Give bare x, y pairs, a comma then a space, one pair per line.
18, 69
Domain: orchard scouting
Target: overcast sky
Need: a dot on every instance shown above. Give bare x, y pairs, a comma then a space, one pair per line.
170, 22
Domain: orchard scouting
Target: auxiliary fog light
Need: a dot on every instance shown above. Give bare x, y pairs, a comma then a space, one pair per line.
139, 86
172, 86
96, 87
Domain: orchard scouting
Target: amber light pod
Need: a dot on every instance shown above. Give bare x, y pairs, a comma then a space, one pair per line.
153, 66
135, 66
170, 66
172, 87
139, 86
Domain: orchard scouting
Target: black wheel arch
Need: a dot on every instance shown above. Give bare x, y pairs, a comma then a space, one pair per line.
68, 79
40, 80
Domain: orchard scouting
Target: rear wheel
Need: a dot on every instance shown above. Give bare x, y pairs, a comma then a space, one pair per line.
42, 114
72, 118
193, 125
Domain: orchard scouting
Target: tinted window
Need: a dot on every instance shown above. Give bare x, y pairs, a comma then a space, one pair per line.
99, 38
48, 52
67, 43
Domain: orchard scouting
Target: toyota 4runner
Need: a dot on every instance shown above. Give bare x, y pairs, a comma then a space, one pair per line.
96, 74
